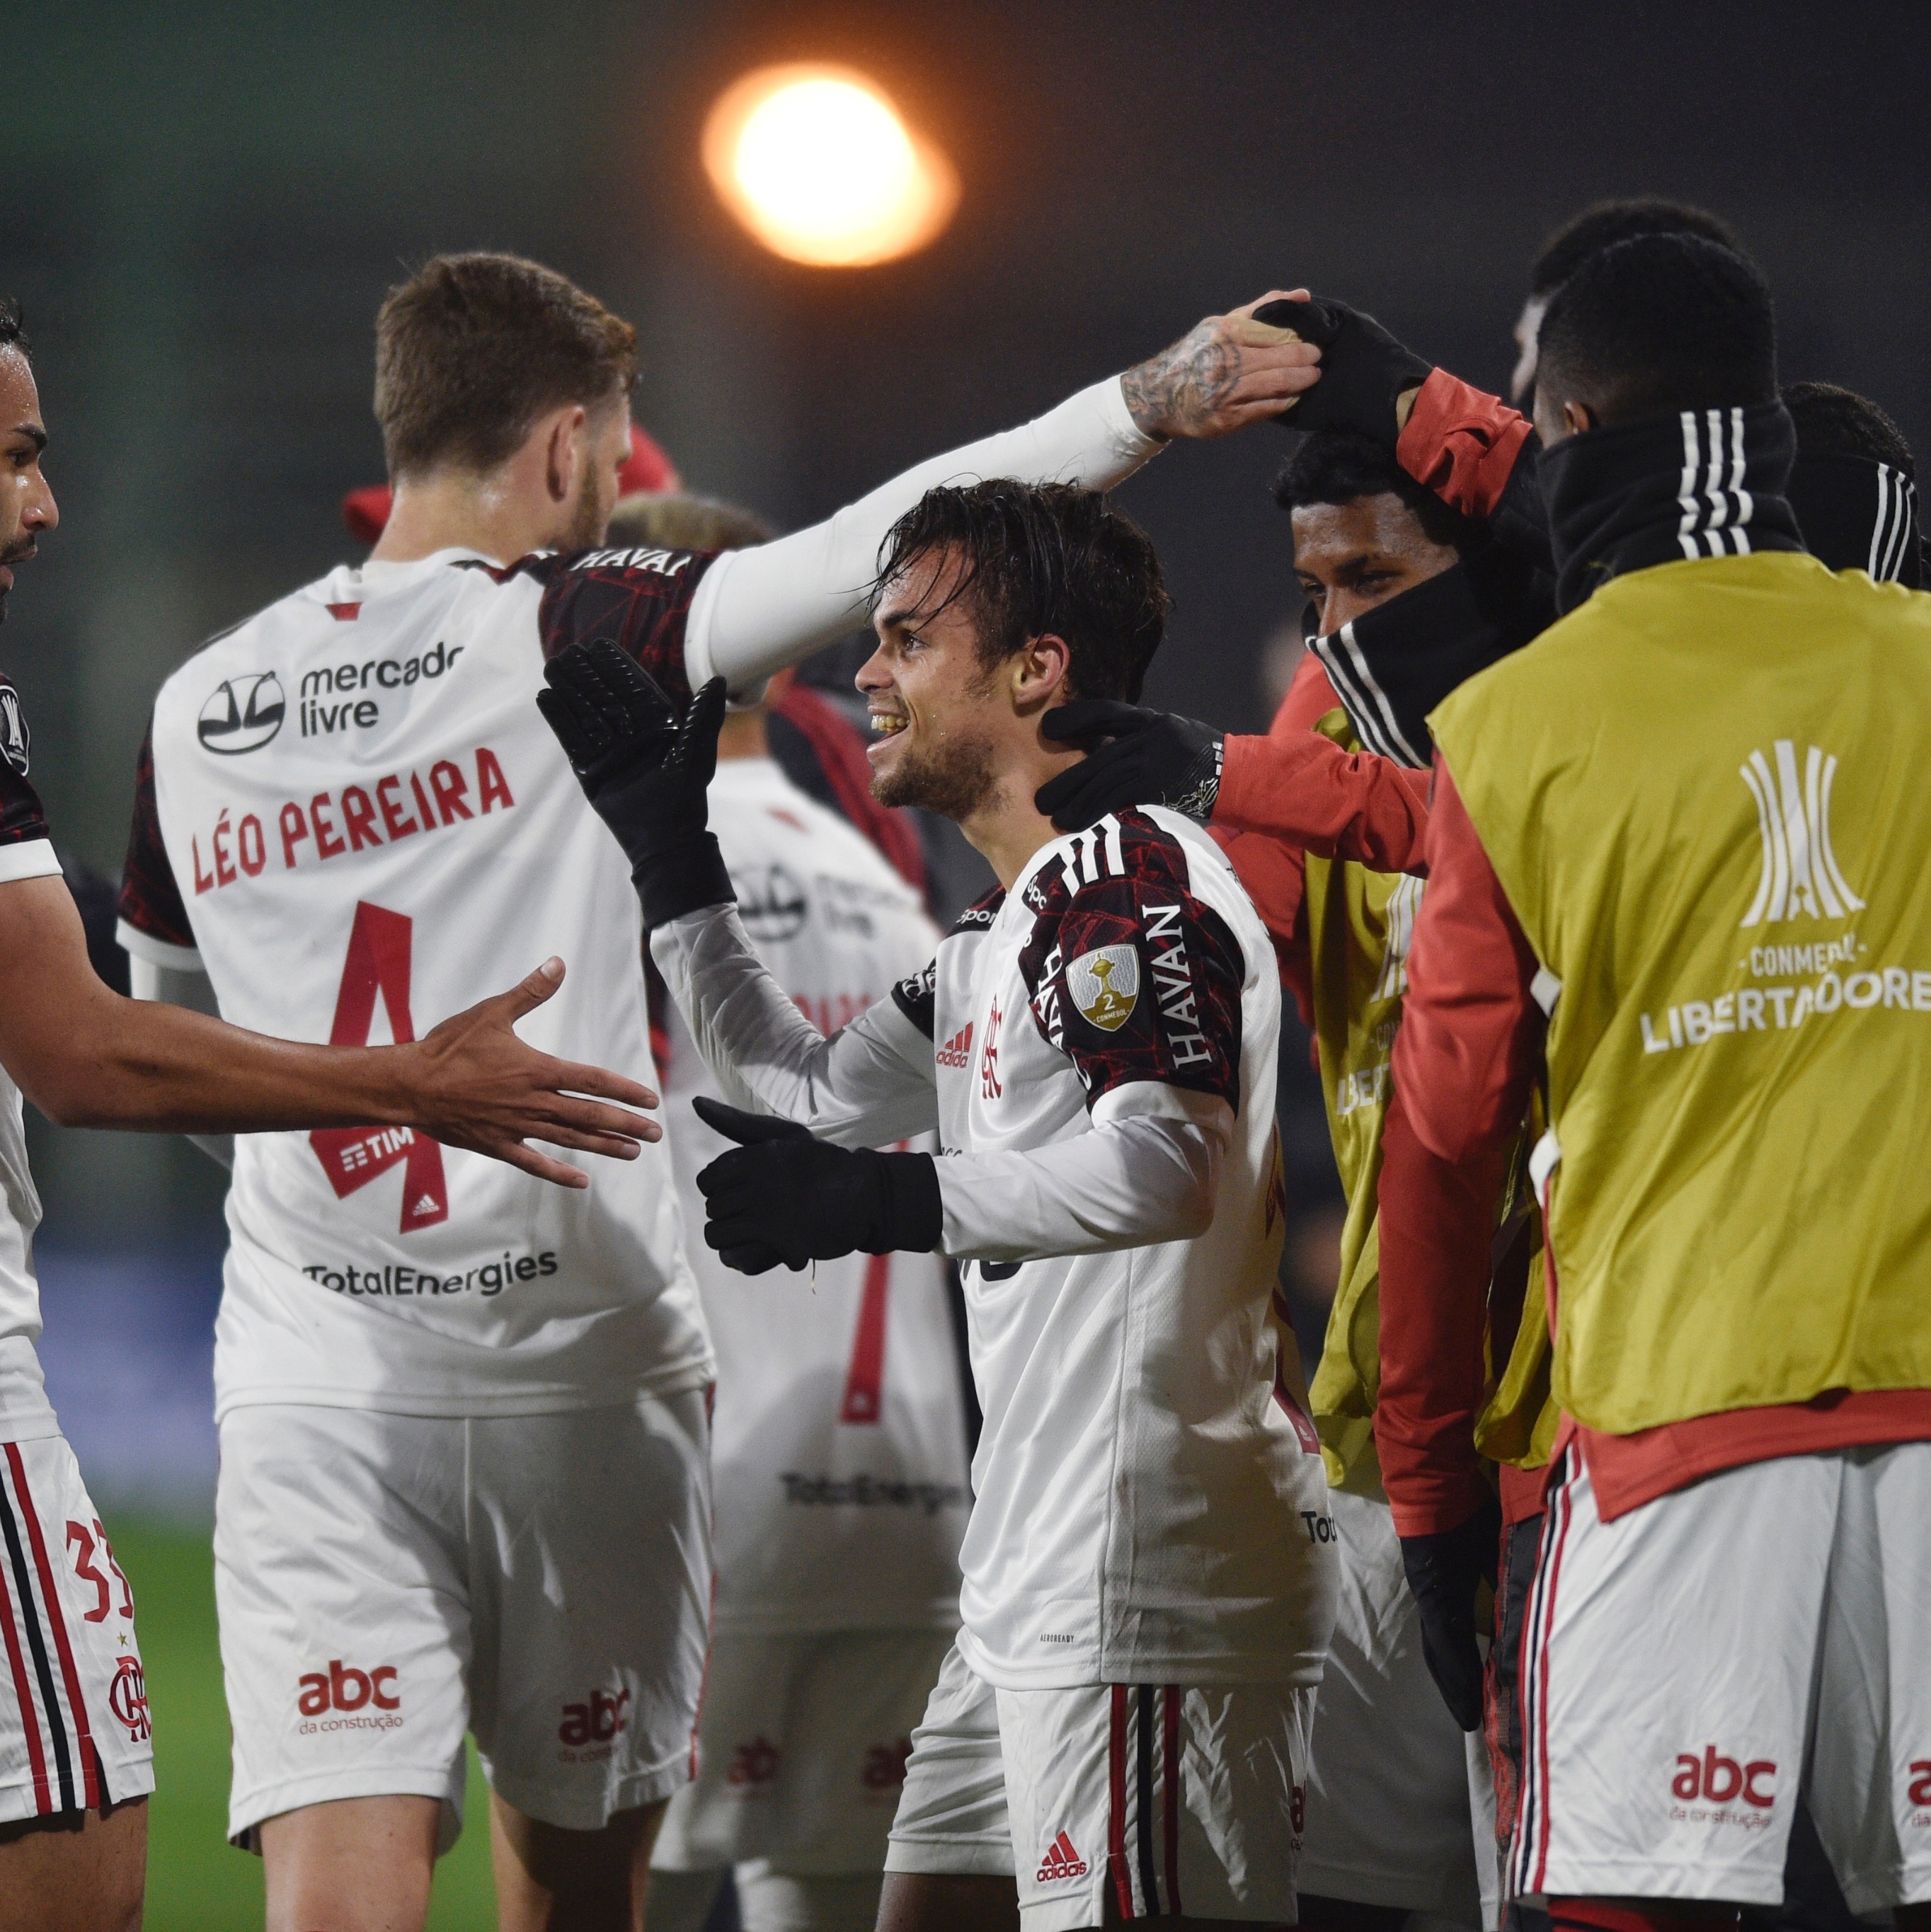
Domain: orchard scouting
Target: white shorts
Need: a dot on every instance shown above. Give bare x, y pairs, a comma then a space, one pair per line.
386, 1581
1111, 1800
1400, 1803
802, 1750
74, 1733
1689, 1668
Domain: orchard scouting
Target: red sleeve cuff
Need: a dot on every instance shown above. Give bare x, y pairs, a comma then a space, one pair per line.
1462, 443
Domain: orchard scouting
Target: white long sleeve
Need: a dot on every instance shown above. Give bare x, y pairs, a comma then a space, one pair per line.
1147, 1172
757, 611
1133, 1182
870, 1084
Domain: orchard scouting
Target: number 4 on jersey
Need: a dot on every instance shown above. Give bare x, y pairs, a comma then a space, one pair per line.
380, 944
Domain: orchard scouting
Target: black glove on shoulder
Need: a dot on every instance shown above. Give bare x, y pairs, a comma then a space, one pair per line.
783, 1195
1444, 1572
1153, 758
644, 768
1363, 369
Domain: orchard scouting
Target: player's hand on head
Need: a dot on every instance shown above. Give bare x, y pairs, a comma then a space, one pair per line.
1135, 756
471, 1083
1225, 372
782, 1195
644, 765
1444, 1571
1368, 379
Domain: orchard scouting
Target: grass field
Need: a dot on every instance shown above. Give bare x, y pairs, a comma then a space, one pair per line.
197, 1881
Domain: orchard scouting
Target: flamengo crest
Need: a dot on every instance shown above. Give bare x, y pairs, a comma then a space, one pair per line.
1800, 877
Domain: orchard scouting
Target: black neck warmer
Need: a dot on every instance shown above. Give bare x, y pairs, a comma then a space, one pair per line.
1858, 515
1703, 483
1393, 665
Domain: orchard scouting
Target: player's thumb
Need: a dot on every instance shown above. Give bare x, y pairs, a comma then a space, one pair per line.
697, 734
530, 994
747, 1129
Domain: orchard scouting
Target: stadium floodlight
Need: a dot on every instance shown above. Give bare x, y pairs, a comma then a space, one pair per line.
817, 164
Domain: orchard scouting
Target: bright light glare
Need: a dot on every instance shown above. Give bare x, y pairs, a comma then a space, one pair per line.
817, 163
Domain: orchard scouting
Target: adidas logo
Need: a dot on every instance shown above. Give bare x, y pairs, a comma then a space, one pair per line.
957, 1052
1061, 1860
428, 1204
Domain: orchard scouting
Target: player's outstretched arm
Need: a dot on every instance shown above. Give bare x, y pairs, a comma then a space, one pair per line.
88, 1057
756, 610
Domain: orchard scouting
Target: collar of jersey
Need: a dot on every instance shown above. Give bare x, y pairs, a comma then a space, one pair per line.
382, 573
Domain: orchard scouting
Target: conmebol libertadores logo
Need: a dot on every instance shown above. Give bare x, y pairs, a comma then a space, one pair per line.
1801, 878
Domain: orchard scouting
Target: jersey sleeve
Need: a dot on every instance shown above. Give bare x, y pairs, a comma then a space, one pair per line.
26, 846
153, 923
1130, 975
638, 598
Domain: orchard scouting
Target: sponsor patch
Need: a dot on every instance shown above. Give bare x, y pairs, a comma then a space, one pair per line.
1105, 985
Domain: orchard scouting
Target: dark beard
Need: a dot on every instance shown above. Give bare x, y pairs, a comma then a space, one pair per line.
955, 781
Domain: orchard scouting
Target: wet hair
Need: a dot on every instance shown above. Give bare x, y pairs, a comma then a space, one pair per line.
472, 350
13, 332
1606, 223
677, 521
1040, 557
1658, 324
1338, 466
1831, 422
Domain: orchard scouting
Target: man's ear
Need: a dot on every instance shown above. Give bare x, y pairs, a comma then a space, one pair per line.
566, 451
1040, 673
1578, 419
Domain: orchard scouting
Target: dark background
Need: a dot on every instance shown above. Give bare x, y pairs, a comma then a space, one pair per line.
204, 205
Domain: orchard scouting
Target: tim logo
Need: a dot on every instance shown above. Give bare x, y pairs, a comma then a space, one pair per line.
243, 714
342, 1687
1060, 1861
596, 1722
1800, 877
1714, 1779
127, 1699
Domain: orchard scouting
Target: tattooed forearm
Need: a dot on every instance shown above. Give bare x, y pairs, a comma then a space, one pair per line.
1177, 391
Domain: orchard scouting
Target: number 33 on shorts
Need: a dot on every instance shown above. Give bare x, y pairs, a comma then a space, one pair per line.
74, 1726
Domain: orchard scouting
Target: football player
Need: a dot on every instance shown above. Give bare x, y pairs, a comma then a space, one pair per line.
75, 1757
1120, 1729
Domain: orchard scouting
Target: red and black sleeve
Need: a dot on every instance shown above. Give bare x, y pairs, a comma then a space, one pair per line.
1480, 457
1129, 974
150, 900
639, 599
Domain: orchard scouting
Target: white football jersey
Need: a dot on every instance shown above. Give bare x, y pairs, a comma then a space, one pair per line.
838, 1444
26, 852
356, 821
1097, 1048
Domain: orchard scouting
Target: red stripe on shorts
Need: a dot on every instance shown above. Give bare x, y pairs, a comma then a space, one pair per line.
30, 1720
89, 1758
1116, 1854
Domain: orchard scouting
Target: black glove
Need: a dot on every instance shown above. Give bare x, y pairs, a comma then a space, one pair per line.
644, 770
1363, 369
1154, 758
783, 1195
1444, 1572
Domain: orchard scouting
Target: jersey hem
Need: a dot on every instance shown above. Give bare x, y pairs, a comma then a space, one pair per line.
157, 952
30, 858
457, 1407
